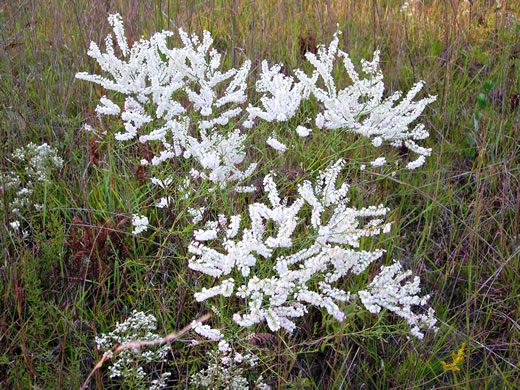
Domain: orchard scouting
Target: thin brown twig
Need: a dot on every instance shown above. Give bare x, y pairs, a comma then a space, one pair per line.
138, 344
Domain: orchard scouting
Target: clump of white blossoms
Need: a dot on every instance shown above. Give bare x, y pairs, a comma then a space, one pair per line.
278, 287
281, 96
292, 253
410, 7
140, 223
32, 166
219, 374
359, 108
226, 372
128, 364
180, 98
177, 97
276, 145
226, 367
387, 291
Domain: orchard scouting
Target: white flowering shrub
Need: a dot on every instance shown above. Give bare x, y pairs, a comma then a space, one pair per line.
128, 364
171, 97
387, 291
359, 108
227, 366
32, 166
222, 372
288, 254
277, 280
179, 98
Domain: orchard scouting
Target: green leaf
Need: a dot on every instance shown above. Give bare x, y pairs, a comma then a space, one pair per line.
470, 151
488, 85
470, 139
482, 100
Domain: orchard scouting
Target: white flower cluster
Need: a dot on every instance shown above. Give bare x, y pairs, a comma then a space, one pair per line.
197, 214
359, 108
224, 372
140, 223
179, 98
378, 162
33, 166
226, 368
156, 80
387, 291
128, 363
410, 7
304, 277
158, 384
207, 331
292, 253
285, 96
15, 225
276, 145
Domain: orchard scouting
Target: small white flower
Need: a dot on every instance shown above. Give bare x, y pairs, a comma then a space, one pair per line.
377, 141
197, 214
107, 107
163, 202
320, 121
239, 358
303, 131
205, 235
378, 162
245, 189
140, 223
417, 163
276, 145
223, 346
248, 124
88, 128
206, 331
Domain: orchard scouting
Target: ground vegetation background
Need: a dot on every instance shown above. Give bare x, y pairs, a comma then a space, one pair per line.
72, 270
